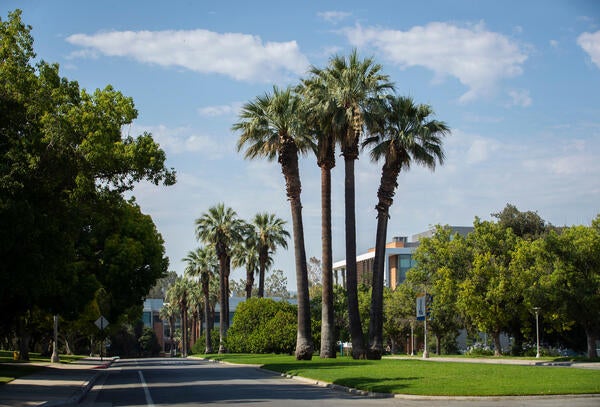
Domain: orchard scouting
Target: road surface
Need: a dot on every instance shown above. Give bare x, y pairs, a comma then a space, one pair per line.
179, 382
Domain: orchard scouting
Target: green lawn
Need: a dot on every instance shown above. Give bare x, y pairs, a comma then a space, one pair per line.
11, 369
431, 378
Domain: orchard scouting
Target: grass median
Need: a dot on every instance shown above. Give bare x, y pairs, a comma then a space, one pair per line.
11, 369
420, 377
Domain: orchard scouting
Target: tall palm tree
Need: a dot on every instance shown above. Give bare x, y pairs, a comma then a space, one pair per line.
272, 127
352, 84
203, 263
168, 312
269, 233
321, 120
221, 228
245, 254
403, 133
179, 293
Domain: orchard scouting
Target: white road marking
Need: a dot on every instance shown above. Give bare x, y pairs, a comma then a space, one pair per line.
149, 400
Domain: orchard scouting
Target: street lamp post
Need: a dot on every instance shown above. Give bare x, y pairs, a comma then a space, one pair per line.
537, 330
412, 338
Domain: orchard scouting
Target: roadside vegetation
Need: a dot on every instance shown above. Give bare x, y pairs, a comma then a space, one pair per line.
419, 377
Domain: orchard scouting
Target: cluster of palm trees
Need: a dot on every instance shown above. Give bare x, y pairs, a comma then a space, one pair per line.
350, 103
227, 240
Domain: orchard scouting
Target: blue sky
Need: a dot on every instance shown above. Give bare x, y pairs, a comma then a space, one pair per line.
518, 82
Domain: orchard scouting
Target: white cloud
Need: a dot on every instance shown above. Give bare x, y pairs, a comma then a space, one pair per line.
333, 16
478, 58
554, 43
220, 110
590, 42
520, 98
241, 56
180, 140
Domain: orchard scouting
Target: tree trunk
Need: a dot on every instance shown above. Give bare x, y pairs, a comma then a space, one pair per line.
207, 340
288, 159
327, 313
222, 300
23, 339
262, 266
385, 195
591, 343
497, 344
356, 334
249, 283
375, 350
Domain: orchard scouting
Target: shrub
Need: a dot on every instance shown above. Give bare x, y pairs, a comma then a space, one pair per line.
200, 346
262, 325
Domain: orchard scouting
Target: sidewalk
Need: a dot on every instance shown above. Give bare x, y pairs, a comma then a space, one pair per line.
55, 385
503, 361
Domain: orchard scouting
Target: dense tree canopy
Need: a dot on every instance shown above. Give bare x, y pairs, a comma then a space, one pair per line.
65, 228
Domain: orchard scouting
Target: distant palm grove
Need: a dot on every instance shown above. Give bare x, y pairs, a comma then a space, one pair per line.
72, 245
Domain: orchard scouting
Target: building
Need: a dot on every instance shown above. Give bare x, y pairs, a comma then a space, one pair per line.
398, 259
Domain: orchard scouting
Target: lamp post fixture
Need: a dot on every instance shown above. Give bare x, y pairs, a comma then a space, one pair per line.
537, 330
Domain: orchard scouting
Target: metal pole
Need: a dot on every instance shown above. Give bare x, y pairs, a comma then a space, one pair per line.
537, 330
412, 339
55, 358
425, 353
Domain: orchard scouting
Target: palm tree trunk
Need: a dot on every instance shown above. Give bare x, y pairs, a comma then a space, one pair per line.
387, 186
288, 159
356, 334
327, 315
249, 282
222, 300
207, 340
263, 255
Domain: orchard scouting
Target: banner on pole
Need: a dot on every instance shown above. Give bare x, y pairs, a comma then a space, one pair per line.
423, 306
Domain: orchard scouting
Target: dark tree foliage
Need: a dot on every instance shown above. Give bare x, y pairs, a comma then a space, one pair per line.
528, 225
65, 228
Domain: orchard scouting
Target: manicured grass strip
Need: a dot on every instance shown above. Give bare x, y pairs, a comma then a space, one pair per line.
8, 373
432, 378
7, 356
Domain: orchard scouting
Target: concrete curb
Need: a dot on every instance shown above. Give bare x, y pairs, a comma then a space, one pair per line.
83, 390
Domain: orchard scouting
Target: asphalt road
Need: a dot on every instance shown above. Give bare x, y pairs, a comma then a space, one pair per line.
178, 382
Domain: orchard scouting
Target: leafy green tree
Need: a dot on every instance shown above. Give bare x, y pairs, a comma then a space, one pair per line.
271, 127
276, 285
350, 85
403, 133
574, 283
399, 313
442, 263
527, 225
162, 285
221, 228
488, 297
64, 166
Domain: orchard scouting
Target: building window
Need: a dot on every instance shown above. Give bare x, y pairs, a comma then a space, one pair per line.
405, 263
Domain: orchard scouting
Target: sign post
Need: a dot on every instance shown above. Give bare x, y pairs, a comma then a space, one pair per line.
101, 323
423, 302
